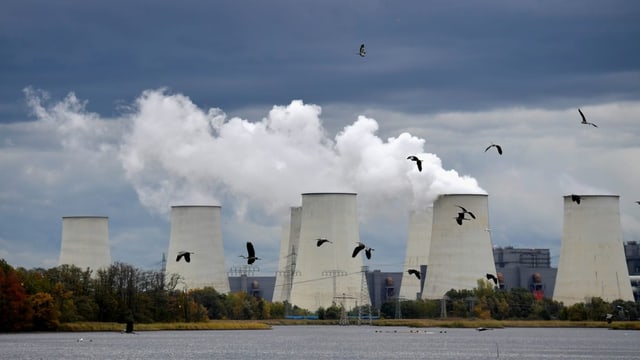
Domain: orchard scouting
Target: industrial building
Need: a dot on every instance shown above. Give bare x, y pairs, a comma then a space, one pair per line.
197, 230
461, 251
328, 274
85, 242
632, 255
258, 286
592, 259
417, 253
525, 268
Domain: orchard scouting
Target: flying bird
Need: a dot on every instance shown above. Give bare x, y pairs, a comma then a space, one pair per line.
460, 218
465, 211
417, 160
251, 254
414, 272
638, 202
609, 318
575, 198
498, 147
584, 120
367, 252
362, 51
357, 249
493, 278
184, 254
321, 241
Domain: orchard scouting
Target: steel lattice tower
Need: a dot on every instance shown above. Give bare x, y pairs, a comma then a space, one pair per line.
365, 301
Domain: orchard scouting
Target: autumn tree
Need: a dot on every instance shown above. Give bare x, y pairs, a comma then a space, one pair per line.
45, 314
15, 312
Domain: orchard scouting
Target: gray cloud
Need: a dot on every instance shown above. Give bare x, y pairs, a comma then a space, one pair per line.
456, 75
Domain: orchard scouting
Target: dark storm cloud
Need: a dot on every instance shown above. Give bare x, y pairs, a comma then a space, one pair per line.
458, 74
422, 56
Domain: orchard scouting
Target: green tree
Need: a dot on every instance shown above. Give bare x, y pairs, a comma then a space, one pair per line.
211, 300
576, 312
520, 302
597, 309
277, 310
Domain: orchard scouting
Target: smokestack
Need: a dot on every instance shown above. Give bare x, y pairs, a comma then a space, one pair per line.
288, 250
85, 242
459, 254
328, 273
198, 229
592, 261
418, 244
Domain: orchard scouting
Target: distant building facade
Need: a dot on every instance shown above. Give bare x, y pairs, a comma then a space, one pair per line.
525, 268
632, 255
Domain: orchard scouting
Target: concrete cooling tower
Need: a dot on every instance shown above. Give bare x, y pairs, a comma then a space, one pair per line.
85, 242
197, 229
592, 260
418, 245
327, 272
459, 254
286, 262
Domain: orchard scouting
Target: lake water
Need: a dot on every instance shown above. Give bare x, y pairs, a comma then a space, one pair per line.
329, 342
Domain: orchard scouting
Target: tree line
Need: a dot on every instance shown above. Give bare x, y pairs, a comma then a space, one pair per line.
42, 299
486, 302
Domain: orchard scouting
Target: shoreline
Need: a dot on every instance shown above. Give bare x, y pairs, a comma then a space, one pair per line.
411, 323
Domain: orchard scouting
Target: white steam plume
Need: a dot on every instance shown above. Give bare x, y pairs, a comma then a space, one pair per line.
174, 152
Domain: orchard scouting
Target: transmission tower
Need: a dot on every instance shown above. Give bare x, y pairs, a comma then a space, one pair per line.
399, 299
365, 301
289, 272
344, 319
163, 272
443, 309
334, 274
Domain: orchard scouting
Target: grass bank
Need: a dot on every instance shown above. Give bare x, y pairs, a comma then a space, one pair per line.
209, 325
414, 323
497, 324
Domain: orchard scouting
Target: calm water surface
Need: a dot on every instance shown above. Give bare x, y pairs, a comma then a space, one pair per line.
329, 342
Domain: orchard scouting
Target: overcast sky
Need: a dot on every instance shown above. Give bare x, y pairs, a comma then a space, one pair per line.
124, 108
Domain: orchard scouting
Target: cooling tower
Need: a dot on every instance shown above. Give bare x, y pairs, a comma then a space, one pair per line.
286, 262
85, 242
328, 273
197, 229
418, 245
459, 254
592, 261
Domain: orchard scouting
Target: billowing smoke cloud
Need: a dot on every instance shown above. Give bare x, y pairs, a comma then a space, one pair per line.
173, 152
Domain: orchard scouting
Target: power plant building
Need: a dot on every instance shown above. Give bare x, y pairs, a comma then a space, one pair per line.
328, 274
287, 259
525, 268
197, 229
417, 252
592, 258
460, 255
85, 242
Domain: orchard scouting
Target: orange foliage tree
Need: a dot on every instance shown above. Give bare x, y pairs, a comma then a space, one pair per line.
15, 312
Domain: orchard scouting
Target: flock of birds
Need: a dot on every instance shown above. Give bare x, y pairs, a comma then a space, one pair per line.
460, 218
416, 273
